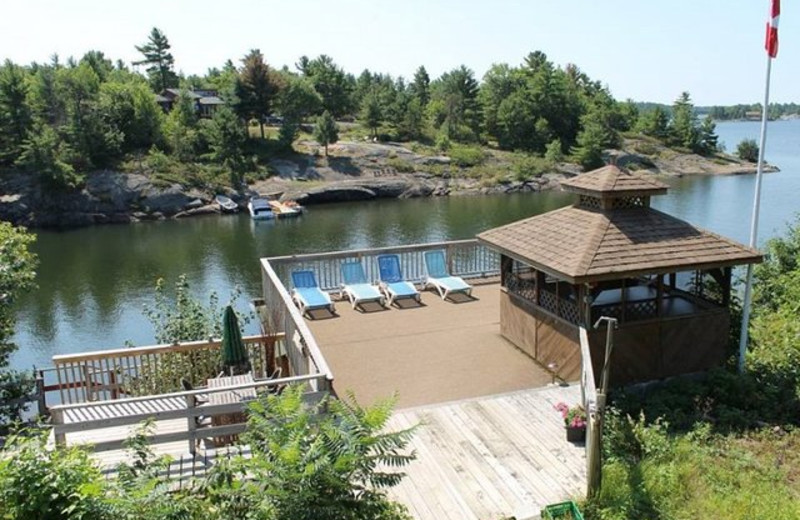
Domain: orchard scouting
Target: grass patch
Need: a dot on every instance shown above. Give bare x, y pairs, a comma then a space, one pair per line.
646, 148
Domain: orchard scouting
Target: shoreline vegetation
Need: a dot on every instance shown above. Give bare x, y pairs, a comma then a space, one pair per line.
92, 141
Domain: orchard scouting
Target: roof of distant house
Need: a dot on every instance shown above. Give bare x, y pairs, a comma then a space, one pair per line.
211, 100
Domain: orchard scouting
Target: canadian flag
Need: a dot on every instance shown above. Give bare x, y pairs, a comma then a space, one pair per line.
772, 29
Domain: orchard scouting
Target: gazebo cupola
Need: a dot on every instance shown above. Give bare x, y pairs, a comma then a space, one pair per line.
611, 188
666, 281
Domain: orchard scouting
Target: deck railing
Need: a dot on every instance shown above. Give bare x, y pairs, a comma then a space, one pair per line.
278, 313
127, 372
85, 416
593, 421
465, 258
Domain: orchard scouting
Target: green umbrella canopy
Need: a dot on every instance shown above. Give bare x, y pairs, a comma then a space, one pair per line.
233, 351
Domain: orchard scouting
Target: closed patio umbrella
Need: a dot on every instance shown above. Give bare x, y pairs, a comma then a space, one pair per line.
234, 354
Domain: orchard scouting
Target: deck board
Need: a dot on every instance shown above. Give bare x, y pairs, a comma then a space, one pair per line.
491, 457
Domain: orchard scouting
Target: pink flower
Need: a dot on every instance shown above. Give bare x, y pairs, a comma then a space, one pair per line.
574, 417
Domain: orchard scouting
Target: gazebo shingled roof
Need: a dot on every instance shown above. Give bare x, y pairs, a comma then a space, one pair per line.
612, 181
585, 244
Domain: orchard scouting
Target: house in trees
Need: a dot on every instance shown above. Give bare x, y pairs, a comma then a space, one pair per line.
205, 101
667, 282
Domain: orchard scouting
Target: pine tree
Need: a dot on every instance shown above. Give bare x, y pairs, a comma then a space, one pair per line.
15, 114
256, 88
683, 127
325, 131
371, 114
708, 139
420, 87
227, 139
157, 56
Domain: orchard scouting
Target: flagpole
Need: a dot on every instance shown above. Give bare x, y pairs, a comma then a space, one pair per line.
748, 288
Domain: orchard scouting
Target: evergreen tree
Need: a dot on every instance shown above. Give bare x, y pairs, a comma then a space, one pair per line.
94, 139
683, 127
708, 141
43, 154
420, 86
15, 114
159, 60
413, 119
589, 150
227, 139
454, 106
331, 83
325, 130
256, 88
44, 98
101, 65
181, 130
654, 123
371, 114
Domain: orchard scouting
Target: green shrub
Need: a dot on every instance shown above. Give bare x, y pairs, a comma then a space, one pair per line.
36, 482
526, 167
466, 156
338, 462
401, 165
442, 142
553, 153
747, 150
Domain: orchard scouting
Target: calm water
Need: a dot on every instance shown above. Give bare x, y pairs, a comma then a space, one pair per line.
93, 282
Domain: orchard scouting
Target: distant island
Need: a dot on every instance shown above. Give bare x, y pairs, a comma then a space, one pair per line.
90, 141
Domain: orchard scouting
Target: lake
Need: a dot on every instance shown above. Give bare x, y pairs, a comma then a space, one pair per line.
93, 282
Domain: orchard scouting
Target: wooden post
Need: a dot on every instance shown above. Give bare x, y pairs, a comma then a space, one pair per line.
192, 424
659, 293
540, 280
726, 287
506, 266
41, 402
58, 419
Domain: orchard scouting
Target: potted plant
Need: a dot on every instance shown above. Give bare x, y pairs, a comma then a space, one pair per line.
574, 421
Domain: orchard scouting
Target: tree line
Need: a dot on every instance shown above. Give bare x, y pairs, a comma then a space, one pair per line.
744, 111
60, 120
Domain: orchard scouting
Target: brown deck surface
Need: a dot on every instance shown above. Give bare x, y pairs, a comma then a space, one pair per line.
442, 351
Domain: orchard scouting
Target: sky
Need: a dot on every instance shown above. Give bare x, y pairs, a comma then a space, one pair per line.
641, 49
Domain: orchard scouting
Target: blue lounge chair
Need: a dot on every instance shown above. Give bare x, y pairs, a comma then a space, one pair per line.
393, 286
307, 295
355, 286
440, 278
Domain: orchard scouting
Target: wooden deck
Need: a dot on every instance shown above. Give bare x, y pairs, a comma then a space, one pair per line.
438, 352
482, 458
491, 458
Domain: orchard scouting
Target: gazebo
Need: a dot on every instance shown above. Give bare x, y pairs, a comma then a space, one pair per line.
667, 282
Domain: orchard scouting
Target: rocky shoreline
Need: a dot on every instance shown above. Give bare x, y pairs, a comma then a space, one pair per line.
354, 172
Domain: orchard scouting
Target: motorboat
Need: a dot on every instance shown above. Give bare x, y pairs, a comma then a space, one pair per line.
226, 204
260, 209
286, 209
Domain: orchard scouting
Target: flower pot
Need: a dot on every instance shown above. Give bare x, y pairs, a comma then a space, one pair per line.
576, 433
